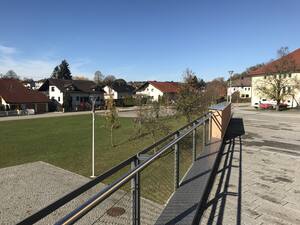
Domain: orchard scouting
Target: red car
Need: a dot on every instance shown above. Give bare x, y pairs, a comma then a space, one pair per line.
265, 106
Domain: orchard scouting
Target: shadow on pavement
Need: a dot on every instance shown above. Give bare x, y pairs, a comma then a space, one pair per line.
218, 197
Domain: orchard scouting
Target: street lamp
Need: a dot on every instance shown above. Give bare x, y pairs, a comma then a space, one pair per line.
93, 98
230, 74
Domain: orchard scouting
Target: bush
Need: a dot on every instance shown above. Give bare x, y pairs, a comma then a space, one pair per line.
129, 101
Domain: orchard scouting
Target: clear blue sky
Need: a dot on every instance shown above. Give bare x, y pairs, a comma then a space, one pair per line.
144, 39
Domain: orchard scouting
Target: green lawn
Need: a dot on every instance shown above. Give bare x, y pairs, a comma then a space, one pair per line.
66, 142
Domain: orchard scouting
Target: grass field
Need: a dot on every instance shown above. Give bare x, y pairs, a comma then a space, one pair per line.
66, 142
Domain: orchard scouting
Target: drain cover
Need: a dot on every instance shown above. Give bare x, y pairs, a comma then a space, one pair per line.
115, 211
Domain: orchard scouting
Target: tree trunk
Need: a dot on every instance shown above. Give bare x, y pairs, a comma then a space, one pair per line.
111, 136
277, 105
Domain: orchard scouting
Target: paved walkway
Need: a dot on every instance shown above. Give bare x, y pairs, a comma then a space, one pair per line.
123, 112
29, 187
259, 179
181, 208
131, 112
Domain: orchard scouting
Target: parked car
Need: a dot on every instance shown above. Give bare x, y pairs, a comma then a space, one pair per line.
283, 106
266, 106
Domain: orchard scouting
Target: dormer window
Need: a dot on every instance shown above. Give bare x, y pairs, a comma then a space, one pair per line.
52, 89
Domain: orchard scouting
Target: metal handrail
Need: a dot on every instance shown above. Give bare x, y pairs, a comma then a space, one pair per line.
78, 191
110, 189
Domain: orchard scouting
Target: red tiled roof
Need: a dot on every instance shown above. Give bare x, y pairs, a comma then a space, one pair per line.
295, 56
242, 82
13, 92
166, 87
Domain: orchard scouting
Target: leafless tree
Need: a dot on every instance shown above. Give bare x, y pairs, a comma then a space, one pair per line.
79, 77
98, 77
189, 101
149, 121
112, 118
215, 90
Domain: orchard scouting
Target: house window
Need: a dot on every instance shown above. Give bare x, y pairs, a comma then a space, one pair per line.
265, 77
243, 96
52, 89
290, 75
289, 89
77, 98
58, 99
247, 96
152, 89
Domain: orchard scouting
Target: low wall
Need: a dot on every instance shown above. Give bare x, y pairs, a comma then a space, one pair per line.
221, 114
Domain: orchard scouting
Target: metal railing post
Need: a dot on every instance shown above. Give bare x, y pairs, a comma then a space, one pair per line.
209, 130
176, 163
204, 135
194, 143
135, 193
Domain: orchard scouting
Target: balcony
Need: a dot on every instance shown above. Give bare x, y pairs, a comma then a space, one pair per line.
216, 170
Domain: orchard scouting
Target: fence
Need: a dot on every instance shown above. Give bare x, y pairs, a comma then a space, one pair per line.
139, 187
17, 112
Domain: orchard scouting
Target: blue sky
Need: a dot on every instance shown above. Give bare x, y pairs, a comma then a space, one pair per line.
144, 39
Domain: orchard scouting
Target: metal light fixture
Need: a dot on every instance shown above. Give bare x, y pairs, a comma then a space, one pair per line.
93, 98
230, 74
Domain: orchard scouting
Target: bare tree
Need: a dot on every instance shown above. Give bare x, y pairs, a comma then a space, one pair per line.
278, 82
189, 99
109, 79
149, 121
11, 75
215, 90
112, 118
98, 77
79, 77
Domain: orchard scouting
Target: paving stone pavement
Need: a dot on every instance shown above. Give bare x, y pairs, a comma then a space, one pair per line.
29, 187
259, 179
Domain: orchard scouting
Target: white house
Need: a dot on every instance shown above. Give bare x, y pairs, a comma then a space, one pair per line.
259, 75
242, 85
79, 92
119, 90
155, 90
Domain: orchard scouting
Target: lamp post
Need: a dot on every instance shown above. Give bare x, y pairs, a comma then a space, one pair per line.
230, 74
93, 99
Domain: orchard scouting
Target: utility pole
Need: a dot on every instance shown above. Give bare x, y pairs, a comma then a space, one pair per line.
93, 100
230, 84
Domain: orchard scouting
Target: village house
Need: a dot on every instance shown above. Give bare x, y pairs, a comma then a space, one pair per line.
260, 74
156, 90
241, 85
15, 96
77, 92
118, 90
